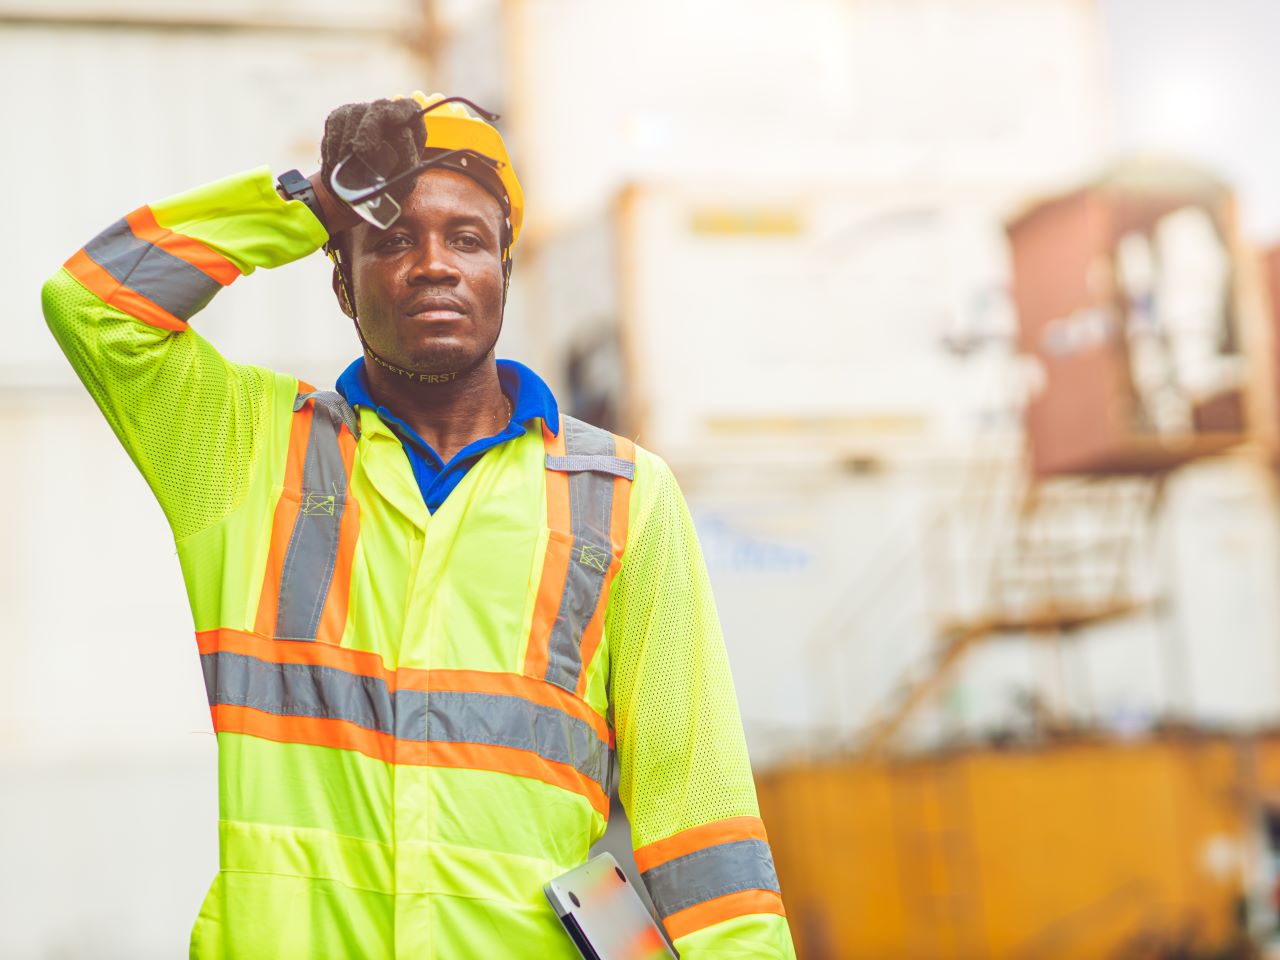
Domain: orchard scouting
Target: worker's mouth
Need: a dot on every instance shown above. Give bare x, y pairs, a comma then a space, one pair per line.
435, 309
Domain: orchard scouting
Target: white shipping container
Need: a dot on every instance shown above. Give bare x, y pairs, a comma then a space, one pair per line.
107, 779
838, 318
977, 92
120, 115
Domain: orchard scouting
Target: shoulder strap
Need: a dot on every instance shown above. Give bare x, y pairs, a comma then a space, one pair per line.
336, 406
589, 449
601, 467
593, 463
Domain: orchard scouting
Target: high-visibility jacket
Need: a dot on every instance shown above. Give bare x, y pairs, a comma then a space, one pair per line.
415, 712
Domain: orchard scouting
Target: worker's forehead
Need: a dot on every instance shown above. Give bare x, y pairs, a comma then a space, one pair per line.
441, 192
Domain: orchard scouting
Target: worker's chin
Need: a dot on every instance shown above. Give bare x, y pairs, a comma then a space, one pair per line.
442, 357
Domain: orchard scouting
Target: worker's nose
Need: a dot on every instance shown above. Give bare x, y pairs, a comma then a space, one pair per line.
435, 264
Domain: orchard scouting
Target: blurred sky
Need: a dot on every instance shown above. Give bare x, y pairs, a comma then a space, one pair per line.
1198, 78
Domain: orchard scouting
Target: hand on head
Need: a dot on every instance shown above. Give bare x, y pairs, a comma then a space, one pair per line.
381, 134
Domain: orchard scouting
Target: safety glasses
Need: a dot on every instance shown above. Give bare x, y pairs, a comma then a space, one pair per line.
365, 190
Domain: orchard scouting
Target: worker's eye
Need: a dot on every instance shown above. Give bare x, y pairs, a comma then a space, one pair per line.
468, 241
392, 241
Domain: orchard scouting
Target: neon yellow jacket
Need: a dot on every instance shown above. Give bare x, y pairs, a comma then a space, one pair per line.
411, 741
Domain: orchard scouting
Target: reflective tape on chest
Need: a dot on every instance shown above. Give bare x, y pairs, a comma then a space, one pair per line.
278, 683
589, 472
308, 578
331, 696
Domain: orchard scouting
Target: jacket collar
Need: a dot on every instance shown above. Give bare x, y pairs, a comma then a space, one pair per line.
530, 396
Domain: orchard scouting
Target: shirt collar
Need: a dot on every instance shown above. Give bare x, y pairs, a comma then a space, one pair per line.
529, 394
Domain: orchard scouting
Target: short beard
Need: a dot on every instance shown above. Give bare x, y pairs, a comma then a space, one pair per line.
444, 367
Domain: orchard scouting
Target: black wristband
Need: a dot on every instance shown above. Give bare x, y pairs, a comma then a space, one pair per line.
298, 187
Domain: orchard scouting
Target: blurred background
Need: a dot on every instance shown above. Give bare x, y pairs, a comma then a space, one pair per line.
957, 322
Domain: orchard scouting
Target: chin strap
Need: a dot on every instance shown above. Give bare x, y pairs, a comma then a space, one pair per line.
401, 371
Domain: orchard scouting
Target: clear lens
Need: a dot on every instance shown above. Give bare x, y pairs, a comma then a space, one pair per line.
362, 188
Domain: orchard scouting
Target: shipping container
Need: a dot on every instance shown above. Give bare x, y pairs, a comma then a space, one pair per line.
108, 786
1269, 378
1127, 296
979, 92
837, 321
148, 100
1067, 851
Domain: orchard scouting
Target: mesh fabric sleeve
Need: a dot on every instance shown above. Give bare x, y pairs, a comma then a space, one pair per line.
189, 419
686, 780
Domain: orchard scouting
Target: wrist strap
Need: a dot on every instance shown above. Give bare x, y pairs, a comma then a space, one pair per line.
298, 187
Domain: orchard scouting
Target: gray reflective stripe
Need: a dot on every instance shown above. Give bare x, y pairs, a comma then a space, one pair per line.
501, 721
167, 281
709, 873
590, 517
411, 715
297, 690
336, 405
313, 546
307, 690
614, 465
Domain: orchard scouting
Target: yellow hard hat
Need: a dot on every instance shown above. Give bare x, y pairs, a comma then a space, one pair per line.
452, 127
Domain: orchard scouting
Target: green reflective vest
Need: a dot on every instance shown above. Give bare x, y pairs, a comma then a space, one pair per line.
415, 712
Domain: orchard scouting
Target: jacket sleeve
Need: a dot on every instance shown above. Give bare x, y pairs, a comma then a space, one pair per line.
189, 419
686, 781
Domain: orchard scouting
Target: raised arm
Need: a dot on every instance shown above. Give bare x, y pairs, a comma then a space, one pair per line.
120, 307
686, 780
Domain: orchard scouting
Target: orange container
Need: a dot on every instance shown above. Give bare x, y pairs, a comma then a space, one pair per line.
1075, 851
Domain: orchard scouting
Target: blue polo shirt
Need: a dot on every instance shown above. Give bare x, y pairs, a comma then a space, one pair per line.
530, 397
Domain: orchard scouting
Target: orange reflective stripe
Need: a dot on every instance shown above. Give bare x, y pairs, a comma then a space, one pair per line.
593, 633
583, 512
346, 735
151, 273
316, 731
698, 838
709, 873
498, 759
111, 292
366, 664
555, 565
621, 512
314, 579
282, 523
205, 259
359, 662
333, 618
740, 904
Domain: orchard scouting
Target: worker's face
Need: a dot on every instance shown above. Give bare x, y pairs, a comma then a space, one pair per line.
428, 290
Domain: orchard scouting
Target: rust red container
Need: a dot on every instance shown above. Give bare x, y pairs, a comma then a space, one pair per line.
1271, 275
1125, 293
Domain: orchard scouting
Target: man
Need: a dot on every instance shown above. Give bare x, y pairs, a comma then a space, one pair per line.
429, 605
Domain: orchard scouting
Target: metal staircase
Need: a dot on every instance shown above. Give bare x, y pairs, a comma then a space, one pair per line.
1069, 554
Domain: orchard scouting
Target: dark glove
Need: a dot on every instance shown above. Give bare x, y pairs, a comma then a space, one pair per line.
385, 134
